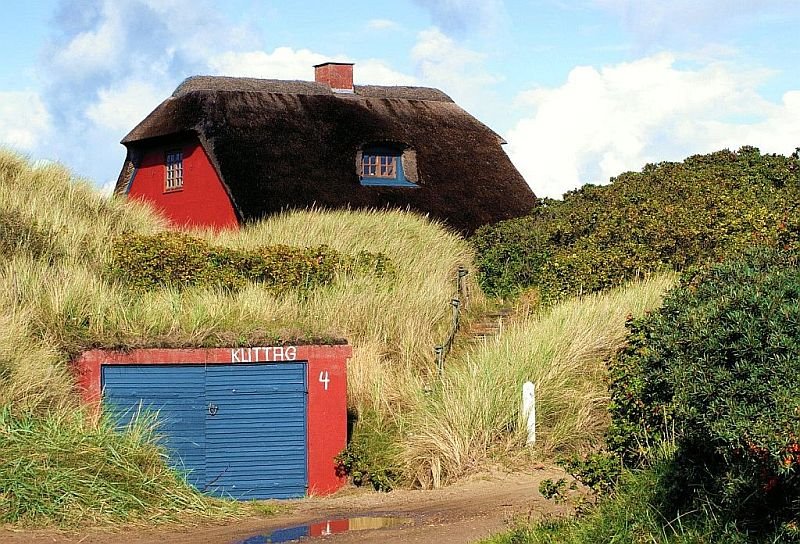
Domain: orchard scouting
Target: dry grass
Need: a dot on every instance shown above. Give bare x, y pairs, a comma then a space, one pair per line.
393, 324
476, 413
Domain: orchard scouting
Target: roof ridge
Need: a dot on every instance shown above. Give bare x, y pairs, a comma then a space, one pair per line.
302, 87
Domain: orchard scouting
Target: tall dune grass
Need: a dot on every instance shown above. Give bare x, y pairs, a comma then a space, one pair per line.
476, 411
393, 324
65, 468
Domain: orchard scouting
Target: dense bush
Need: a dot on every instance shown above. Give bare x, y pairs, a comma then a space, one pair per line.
717, 371
637, 513
371, 455
669, 215
179, 260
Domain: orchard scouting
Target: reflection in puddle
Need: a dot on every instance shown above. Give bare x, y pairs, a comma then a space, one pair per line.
329, 527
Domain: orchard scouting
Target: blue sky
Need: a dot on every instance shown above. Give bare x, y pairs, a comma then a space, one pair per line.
582, 90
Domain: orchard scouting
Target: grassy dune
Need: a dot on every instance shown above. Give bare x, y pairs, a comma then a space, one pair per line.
393, 323
55, 300
474, 415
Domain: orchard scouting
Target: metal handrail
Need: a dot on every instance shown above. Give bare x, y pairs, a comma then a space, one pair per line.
458, 302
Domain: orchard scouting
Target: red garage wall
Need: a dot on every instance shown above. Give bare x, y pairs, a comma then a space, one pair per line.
327, 391
202, 202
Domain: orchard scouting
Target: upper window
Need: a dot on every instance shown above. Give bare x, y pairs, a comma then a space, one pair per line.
379, 166
174, 174
385, 166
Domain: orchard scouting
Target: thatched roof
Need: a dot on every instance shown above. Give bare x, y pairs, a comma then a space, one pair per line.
284, 144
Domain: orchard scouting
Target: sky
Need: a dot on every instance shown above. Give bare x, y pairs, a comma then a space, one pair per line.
582, 90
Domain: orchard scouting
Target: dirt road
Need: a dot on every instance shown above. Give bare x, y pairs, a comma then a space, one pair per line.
466, 512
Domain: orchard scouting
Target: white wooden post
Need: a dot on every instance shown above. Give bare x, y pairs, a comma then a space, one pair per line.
529, 410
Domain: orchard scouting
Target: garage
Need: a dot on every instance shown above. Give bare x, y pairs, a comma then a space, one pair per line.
243, 423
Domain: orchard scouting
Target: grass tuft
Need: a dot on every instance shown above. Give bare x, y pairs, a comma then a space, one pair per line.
63, 468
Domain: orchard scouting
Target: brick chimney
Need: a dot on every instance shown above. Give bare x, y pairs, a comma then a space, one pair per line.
337, 75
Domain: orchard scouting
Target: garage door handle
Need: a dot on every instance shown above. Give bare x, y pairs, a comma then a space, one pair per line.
212, 409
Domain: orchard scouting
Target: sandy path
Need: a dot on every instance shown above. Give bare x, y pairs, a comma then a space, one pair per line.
462, 513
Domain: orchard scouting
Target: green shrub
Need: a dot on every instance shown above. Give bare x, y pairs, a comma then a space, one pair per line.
718, 367
179, 260
553, 489
370, 457
599, 471
669, 215
636, 513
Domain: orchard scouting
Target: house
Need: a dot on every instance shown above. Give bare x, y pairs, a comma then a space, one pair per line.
222, 151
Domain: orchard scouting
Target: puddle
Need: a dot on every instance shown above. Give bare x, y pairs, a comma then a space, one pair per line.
323, 528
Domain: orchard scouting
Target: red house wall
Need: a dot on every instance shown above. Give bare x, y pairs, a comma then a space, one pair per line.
327, 392
202, 202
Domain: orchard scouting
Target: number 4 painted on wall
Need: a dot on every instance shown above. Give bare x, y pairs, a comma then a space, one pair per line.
324, 379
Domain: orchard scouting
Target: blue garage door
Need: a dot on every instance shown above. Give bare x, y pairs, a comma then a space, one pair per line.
256, 439
236, 430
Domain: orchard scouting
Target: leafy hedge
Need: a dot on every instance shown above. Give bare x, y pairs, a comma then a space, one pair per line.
717, 370
179, 260
669, 215
371, 454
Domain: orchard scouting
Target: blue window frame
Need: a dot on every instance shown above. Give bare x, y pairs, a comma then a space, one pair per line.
383, 167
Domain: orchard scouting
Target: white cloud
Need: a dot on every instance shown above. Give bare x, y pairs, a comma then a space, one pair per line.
109, 62
443, 62
123, 106
377, 72
434, 48
94, 49
282, 63
288, 63
134, 34
459, 71
24, 120
600, 123
777, 132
